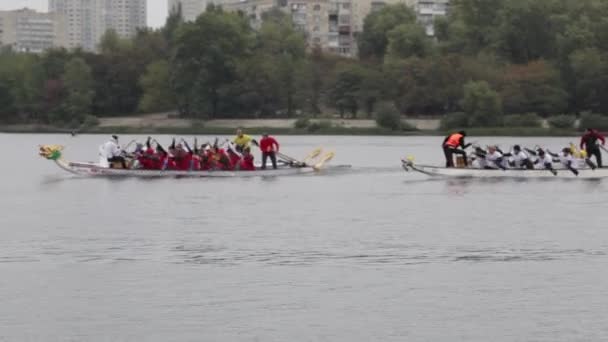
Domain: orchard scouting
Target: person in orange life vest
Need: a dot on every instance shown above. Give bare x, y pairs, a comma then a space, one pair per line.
269, 147
247, 160
454, 144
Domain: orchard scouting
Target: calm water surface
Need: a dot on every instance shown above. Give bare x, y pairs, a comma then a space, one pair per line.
367, 254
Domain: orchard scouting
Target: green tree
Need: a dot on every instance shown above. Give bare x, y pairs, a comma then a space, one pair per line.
157, 93
373, 41
278, 40
207, 53
7, 108
527, 32
78, 83
482, 104
590, 70
408, 40
476, 21
534, 87
344, 91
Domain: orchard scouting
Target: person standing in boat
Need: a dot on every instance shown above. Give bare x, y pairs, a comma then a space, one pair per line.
242, 141
112, 152
269, 147
589, 142
454, 144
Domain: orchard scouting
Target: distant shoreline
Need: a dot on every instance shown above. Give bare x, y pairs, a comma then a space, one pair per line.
344, 131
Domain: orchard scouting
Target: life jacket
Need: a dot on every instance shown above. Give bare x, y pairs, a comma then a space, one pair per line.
454, 140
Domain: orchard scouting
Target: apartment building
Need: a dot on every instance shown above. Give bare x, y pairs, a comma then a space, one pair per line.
332, 25
26, 30
190, 9
428, 10
88, 20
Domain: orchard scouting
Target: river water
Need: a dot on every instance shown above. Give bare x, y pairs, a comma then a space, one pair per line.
366, 254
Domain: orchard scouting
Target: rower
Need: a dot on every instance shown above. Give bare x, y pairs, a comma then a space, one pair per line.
242, 141
112, 152
589, 143
246, 163
269, 147
543, 160
451, 146
494, 158
565, 157
520, 159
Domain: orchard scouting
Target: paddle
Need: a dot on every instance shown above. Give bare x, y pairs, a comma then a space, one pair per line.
312, 155
567, 165
288, 158
324, 160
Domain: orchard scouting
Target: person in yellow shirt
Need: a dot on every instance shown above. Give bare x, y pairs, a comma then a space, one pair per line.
242, 141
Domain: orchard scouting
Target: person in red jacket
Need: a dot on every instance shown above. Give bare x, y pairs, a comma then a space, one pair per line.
269, 147
247, 160
589, 143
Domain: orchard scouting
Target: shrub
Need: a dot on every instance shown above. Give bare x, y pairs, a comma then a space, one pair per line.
562, 121
454, 120
406, 127
388, 117
522, 120
302, 123
319, 125
597, 121
90, 121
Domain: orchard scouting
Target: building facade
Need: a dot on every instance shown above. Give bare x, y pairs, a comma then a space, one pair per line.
190, 8
88, 20
332, 25
26, 30
428, 10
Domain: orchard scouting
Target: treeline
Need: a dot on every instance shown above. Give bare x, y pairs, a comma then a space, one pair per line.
491, 63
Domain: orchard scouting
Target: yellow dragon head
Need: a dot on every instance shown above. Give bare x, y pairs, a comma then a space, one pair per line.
50, 152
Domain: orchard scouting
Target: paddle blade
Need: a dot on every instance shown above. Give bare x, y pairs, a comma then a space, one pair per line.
314, 154
324, 160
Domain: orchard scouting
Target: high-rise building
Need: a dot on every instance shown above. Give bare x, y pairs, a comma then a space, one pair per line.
88, 20
26, 30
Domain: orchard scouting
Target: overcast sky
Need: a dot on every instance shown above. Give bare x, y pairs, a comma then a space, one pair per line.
157, 9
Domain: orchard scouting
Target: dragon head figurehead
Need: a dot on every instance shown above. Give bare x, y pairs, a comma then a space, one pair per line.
51, 152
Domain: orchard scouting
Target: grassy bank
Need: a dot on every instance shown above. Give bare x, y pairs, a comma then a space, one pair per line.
375, 131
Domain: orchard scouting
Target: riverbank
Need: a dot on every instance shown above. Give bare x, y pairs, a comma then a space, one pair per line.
167, 124
500, 131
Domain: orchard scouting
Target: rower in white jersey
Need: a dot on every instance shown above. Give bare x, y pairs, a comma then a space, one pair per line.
519, 159
566, 159
494, 159
543, 160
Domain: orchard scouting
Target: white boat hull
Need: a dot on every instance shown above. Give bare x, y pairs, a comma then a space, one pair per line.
95, 170
438, 171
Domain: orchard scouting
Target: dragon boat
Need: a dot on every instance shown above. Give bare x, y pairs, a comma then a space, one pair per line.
468, 172
313, 163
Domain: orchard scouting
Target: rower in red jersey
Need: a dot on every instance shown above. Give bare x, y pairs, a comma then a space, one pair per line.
246, 163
